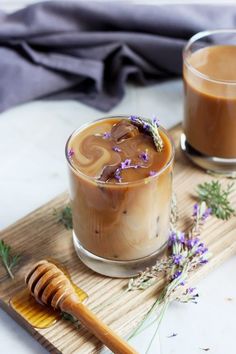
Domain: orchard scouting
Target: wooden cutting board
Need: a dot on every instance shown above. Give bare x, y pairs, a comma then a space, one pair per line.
39, 236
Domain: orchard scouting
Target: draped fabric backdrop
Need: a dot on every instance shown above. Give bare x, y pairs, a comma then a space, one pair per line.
87, 51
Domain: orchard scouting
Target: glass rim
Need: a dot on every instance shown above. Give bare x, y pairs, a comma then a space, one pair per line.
194, 39
103, 183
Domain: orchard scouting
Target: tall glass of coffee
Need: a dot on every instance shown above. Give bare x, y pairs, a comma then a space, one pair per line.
120, 190
209, 74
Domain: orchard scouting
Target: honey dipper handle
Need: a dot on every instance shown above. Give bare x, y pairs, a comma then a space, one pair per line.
105, 334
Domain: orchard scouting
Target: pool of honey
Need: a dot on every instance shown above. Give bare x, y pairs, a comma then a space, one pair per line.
37, 315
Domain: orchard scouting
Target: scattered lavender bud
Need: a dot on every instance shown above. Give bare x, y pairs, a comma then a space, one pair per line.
125, 164
116, 149
106, 135
70, 153
144, 156
152, 173
191, 290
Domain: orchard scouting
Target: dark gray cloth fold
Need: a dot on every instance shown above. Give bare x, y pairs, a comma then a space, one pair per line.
87, 51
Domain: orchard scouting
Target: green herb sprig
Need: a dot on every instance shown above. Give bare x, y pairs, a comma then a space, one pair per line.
67, 317
64, 216
217, 198
8, 260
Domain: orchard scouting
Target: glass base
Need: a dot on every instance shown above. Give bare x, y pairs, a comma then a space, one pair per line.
112, 268
225, 167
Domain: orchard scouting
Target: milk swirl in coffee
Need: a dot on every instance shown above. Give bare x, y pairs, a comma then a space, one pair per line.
120, 188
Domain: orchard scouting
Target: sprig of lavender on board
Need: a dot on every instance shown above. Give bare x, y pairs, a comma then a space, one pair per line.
187, 252
8, 260
151, 127
217, 198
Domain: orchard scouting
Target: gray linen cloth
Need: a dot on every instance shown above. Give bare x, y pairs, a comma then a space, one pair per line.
87, 51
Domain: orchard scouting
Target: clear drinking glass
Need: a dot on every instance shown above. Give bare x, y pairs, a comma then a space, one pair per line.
209, 74
120, 228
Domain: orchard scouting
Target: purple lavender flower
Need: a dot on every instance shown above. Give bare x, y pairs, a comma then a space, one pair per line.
172, 238
144, 156
190, 290
181, 237
146, 126
70, 153
117, 175
177, 274
203, 261
106, 135
196, 212
206, 214
201, 249
176, 237
195, 209
192, 242
152, 173
133, 118
125, 164
116, 149
177, 258
156, 121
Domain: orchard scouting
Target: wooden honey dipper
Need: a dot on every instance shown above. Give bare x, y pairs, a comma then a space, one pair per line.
50, 286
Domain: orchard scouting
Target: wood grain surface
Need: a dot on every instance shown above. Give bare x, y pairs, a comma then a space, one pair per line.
39, 236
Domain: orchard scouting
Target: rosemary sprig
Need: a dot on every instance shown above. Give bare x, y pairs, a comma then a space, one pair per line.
217, 198
64, 216
151, 127
8, 260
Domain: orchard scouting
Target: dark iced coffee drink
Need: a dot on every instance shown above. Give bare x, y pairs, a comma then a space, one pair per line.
120, 189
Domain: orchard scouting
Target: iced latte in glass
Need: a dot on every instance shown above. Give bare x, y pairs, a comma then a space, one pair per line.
120, 190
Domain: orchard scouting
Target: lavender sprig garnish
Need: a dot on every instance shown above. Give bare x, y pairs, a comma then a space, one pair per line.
151, 127
187, 252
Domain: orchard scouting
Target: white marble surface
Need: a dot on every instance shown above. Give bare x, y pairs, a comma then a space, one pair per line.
32, 138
